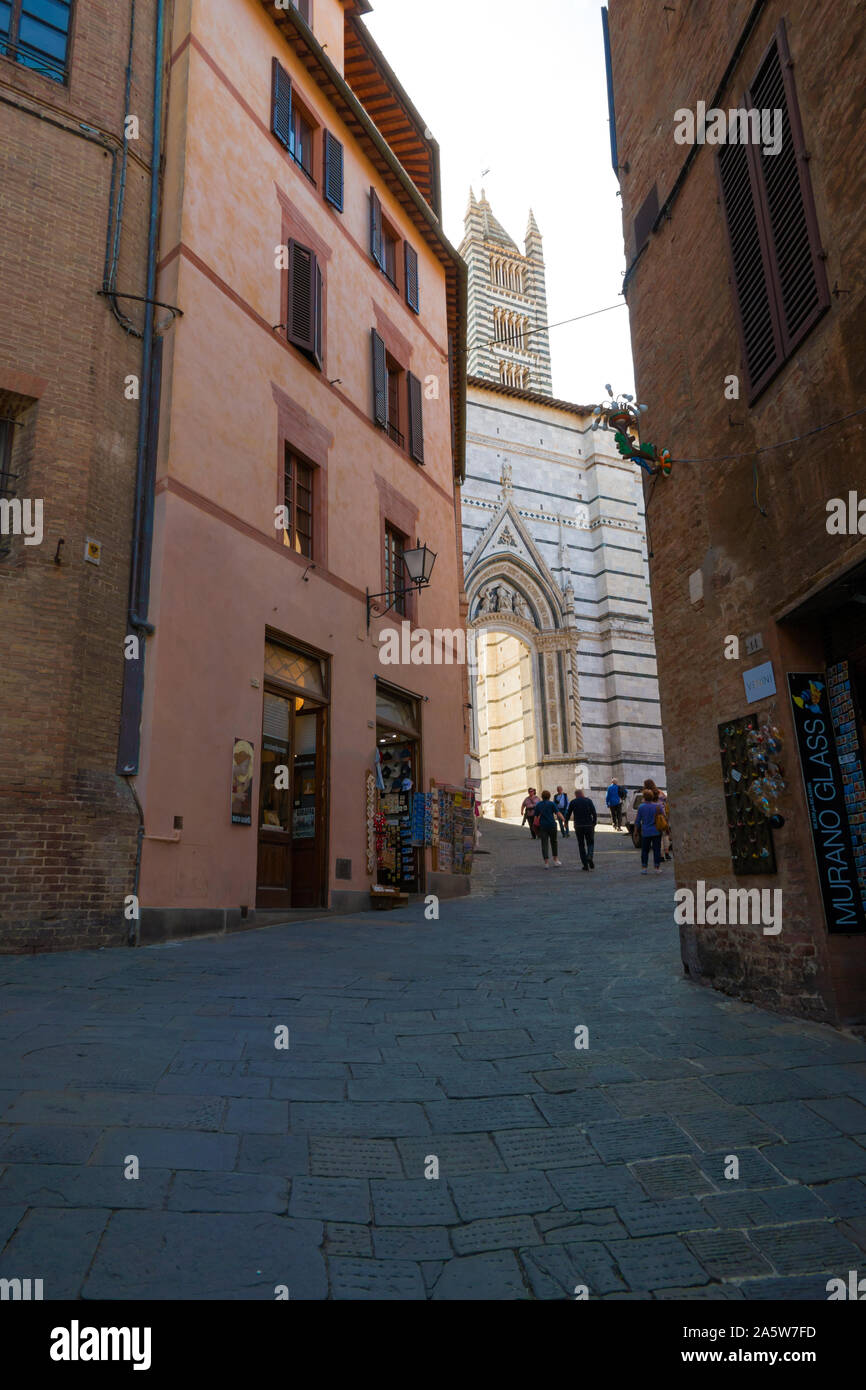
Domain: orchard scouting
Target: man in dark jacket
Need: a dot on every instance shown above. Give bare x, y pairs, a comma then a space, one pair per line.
581, 812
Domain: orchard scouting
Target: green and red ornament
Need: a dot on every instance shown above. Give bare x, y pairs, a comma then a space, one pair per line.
622, 416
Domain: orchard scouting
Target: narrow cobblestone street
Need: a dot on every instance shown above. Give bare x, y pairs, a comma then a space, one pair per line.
409, 1038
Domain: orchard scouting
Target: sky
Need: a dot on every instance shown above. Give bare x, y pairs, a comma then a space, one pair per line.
519, 88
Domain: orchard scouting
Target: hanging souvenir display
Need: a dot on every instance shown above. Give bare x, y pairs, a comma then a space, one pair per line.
763, 746
379, 824
370, 789
749, 831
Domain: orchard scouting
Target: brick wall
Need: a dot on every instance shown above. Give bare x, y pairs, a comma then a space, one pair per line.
706, 516
67, 823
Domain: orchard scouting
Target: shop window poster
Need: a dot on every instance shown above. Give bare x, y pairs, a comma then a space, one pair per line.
243, 762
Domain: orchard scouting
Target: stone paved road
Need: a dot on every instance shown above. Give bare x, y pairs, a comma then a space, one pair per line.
411, 1040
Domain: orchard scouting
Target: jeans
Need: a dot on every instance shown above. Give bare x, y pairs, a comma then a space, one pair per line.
656, 842
585, 842
616, 815
548, 837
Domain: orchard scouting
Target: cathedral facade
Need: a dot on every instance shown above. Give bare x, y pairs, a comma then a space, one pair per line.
563, 677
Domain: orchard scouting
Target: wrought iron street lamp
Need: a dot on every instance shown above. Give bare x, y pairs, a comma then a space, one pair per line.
419, 564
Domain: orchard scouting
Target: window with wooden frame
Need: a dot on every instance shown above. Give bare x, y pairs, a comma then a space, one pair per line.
384, 239
301, 148
290, 122
390, 242
298, 501
304, 302
332, 182
395, 569
305, 10
35, 33
777, 262
394, 373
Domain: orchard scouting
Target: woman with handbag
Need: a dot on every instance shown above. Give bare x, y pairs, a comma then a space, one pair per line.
662, 798
651, 821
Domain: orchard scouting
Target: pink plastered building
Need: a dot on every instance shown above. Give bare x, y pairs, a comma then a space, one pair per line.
310, 430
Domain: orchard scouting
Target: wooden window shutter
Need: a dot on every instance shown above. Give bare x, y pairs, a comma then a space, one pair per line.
301, 320
759, 332
412, 286
281, 104
799, 278
317, 346
416, 419
646, 216
380, 381
333, 181
377, 241
778, 267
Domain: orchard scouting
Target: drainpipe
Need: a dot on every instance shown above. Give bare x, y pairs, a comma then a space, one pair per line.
142, 527
142, 532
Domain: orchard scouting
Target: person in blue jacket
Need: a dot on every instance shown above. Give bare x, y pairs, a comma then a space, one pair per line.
614, 805
650, 835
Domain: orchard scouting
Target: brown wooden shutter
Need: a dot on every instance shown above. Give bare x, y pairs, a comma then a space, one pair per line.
380, 381
281, 104
301, 323
333, 180
646, 216
377, 247
777, 261
416, 419
761, 341
412, 286
799, 278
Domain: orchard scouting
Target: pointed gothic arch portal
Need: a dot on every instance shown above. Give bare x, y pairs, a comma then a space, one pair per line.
523, 683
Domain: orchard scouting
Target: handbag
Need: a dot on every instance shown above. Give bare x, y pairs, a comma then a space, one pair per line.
661, 820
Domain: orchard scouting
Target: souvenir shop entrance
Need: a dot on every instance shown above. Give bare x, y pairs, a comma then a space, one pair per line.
398, 772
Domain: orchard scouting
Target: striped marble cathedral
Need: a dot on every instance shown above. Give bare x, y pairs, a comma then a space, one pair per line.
563, 686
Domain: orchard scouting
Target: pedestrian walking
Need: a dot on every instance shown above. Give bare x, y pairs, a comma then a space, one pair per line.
614, 805
527, 806
560, 801
650, 822
667, 848
581, 811
546, 819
